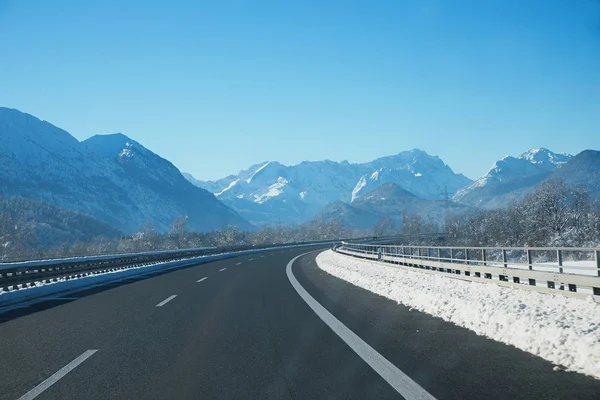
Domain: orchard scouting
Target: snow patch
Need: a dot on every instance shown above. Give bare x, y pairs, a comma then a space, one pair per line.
560, 329
361, 183
232, 184
126, 152
375, 175
257, 171
418, 175
302, 195
274, 190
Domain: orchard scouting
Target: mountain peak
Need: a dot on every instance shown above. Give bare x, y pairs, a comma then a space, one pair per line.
111, 177
16, 126
511, 177
542, 155
114, 145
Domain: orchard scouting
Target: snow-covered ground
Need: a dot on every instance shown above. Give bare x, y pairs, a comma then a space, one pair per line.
560, 329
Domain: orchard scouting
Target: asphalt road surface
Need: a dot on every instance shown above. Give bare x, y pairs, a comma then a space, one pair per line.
238, 328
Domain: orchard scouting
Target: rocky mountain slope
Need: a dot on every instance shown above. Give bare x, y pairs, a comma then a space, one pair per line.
110, 177
510, 178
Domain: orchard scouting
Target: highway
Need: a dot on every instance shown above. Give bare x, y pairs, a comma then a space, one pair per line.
238, 328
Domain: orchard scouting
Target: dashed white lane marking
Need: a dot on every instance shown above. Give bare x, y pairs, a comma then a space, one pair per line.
238, 263
222, 269
200, 280
397, 379
251, 259
262, 256
165, 301
36, 391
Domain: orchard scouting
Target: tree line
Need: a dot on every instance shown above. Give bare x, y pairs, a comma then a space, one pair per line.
25, 224
554, 214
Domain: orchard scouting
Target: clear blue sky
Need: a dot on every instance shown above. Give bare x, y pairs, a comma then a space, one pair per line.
217, 86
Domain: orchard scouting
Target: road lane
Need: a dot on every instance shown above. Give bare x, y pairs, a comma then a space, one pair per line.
43, 338
248, 334
450, 362
245, 334
61, 373
165, 301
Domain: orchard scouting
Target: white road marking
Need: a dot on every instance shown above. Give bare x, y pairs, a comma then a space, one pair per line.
251, 259
165, 301
238, 263
200, 280
36, 391
397, 379
262, 256
222, 269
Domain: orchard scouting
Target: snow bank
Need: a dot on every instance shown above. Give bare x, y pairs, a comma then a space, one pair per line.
560, 329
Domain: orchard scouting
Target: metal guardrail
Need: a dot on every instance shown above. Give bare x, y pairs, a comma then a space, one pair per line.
14, 276
24, 274
576, 270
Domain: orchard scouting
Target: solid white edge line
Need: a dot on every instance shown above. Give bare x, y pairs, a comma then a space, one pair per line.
165, 301
222, 269
401, 382
36, 391
200, 280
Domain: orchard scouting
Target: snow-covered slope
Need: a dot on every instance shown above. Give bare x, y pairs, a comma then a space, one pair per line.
110, 177
300, 191
510, 178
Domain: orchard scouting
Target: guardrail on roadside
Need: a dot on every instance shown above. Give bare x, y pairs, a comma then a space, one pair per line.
576, 271
18, 275
25, 274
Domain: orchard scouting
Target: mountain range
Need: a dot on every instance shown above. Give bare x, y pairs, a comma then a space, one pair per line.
109, 177
117, 181
270, 192
411, 182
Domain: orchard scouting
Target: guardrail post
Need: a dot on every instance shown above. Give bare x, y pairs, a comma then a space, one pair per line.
467, 256
529, 260
451, 255
428, 254
597, 262
484, 257
560, 260
504, 258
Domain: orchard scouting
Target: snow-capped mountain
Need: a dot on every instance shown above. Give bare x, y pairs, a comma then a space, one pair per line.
510, 178
271, 192
109, 177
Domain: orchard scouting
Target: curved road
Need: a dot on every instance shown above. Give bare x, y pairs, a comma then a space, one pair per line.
237, 328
